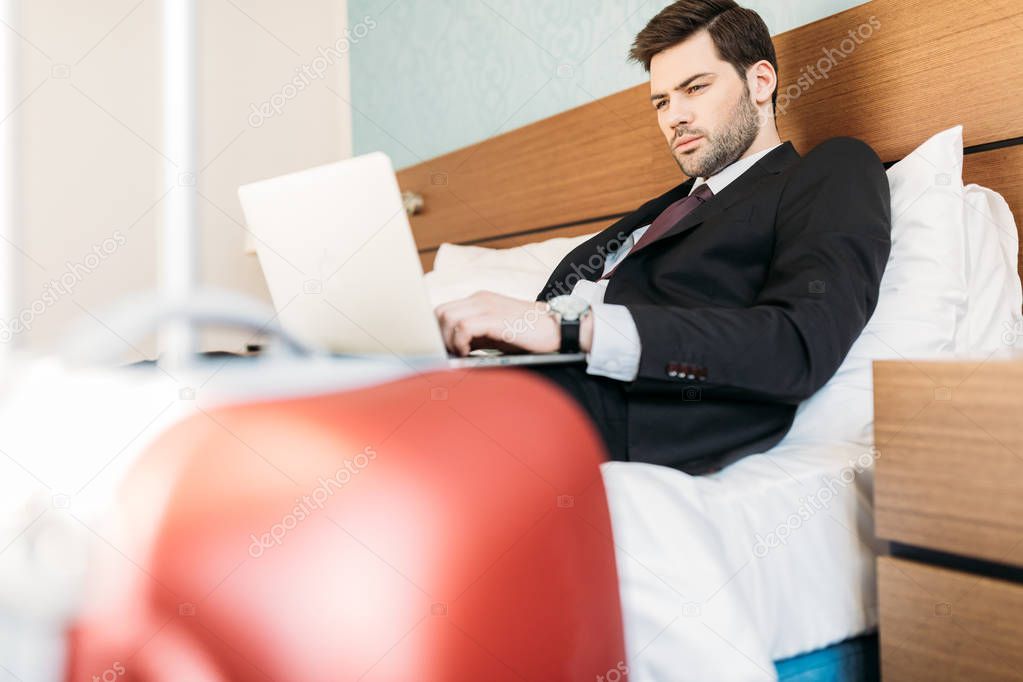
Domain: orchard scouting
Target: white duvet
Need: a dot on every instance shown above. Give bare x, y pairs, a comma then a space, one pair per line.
721, 575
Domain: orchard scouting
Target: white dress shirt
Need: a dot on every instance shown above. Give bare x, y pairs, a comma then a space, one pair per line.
615, 350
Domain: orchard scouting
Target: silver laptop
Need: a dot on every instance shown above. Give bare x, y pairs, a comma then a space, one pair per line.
344, 274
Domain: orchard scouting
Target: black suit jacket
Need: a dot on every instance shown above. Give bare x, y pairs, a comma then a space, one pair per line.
749, 304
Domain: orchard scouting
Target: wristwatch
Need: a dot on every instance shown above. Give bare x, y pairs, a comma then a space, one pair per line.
569, 310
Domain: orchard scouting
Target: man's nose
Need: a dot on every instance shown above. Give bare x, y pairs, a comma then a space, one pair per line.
681, 116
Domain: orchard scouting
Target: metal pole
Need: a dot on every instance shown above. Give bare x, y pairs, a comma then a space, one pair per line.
10, 223
179, 257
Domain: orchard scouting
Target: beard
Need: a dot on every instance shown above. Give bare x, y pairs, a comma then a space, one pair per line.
724, 147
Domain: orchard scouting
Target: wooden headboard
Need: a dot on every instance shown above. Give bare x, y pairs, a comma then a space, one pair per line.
919, 67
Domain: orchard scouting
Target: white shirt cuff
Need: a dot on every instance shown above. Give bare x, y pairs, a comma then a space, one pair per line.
615, 350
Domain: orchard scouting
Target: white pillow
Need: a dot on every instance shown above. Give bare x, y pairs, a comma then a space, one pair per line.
541, 256
992, 323
520, 272
924, 292
924, 289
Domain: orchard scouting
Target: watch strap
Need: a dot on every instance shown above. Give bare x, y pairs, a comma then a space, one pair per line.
570, 336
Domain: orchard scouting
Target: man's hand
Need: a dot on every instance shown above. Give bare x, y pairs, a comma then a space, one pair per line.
490, 320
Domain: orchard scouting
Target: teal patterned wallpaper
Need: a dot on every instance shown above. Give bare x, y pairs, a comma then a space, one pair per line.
431, 76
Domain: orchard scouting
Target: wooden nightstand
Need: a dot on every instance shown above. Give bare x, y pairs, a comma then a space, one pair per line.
949, 496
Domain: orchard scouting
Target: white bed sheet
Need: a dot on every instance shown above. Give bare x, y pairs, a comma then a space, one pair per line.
721, 575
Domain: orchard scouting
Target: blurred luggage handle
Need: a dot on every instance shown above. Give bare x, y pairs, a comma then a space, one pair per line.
138, 317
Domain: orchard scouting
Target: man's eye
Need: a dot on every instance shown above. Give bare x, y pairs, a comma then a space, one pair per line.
659, 103
697, 86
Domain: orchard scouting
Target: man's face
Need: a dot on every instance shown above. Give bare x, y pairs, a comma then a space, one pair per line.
698, 94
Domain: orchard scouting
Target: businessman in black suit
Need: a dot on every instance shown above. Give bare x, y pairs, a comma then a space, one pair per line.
713, 310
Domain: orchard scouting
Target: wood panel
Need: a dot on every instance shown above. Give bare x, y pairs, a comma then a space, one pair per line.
427, 256
999, 169
949, 475
937, 624
928, 65
569, 231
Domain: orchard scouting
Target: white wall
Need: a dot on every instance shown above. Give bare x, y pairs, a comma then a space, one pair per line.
91, 164
432, 77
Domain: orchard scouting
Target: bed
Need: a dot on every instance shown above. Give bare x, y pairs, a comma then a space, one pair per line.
889, 84
746, 599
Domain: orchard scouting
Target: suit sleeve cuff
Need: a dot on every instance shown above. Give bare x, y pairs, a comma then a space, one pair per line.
615, 350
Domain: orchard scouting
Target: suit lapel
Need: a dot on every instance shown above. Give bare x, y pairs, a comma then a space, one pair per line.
645, 214
616, 234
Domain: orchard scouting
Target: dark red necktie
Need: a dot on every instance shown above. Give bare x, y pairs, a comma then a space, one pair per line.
667, 220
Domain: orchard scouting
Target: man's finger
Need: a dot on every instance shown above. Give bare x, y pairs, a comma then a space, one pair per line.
451, 313
454, 317
462, 335
471, 329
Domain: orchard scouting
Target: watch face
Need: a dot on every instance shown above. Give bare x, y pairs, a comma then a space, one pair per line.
569, 307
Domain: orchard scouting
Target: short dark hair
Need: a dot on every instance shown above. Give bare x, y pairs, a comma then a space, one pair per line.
740, 35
